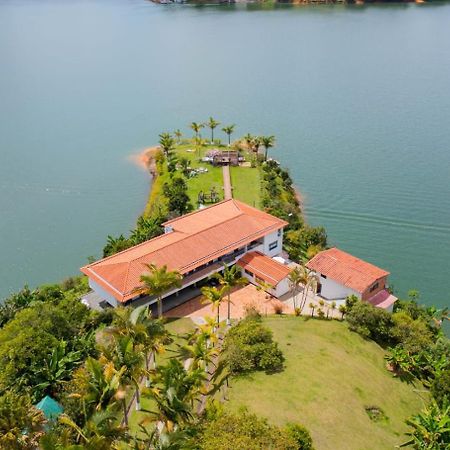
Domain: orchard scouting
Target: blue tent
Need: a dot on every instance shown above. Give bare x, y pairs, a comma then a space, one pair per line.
51, 408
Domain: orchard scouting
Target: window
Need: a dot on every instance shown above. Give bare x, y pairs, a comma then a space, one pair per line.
375, 286
279, 232
273, 245
324, 277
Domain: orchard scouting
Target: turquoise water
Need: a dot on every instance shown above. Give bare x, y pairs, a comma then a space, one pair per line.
358, 98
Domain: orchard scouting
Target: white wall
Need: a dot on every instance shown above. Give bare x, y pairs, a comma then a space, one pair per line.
331, 290
282, 288
102, 293
273, 237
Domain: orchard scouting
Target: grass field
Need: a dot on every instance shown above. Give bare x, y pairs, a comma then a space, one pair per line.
245, 180
331, 375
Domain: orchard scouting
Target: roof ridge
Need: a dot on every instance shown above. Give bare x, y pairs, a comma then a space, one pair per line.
127, 250
355, 258
200, 210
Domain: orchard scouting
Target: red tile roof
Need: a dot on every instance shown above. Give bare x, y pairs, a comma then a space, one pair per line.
263, 267
197, 238
346, 269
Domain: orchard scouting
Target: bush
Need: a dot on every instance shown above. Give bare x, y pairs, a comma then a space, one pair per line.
371, 323
301, 436
249, 346
440, 388
244, 431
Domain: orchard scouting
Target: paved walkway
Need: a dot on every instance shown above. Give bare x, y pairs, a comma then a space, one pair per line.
227, 192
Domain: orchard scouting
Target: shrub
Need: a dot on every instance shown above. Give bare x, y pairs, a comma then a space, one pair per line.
244, 431
297, 311
440, 388
371, 322
301, 436
278, 307
249, 346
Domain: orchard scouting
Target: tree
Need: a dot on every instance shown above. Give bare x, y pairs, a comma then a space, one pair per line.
295, 280
440, 388
184, 164
309, 280
178, 134
116, 245
230, 278
228, 130
176, 193
256, 143
20, 422
212, 124
158, 281
167, 143
214, 296
268, 142
430, 429
196, 127
400, 362
301, 436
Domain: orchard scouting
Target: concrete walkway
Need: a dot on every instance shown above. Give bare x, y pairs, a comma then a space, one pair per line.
227, 193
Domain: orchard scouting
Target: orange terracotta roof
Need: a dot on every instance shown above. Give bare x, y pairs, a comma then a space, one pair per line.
197, 238
346, 269
263, 267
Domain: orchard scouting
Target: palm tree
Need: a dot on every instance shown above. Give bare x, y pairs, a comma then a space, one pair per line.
197, 351
228, 130
230, 278
309, 281
100, 432
295, 280
214, 296
212, 124
342, 310
333, 308
268, 142
124, 353
248, 139
159, 280
312, 306
256, 143
196, 127
167, 143
178, 134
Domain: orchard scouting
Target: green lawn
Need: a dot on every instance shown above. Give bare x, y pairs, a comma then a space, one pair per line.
331, 374
175, 326
246, 184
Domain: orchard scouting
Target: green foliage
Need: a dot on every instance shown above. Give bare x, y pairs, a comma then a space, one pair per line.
244, 431
371, 322
29, 340
301, 436
430, 430
249, 346
440, 388
20, 422
414, 334
178, 199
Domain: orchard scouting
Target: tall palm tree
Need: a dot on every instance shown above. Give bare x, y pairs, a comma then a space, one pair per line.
159, 280
295, 280
228, 130
248, 139
309, 281
214, 296
256, 143
268, 142
178, 134
212, 124
196, 127
167, 143
230, 278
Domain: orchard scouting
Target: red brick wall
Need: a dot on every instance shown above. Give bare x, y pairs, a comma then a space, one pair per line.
381, 285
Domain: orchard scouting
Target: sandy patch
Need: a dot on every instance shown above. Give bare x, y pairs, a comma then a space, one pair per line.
145, 158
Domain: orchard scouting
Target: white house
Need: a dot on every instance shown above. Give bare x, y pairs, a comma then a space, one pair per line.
341, 274
196, 245
266, 272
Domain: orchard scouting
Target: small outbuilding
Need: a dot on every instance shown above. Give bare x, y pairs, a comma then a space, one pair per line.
266, 272
341, 275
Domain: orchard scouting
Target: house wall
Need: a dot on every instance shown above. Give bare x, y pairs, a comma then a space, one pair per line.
102, 293
331, 290
271, 238
282, 288
382, 283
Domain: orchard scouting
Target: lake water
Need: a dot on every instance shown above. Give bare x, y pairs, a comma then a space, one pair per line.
358, 97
